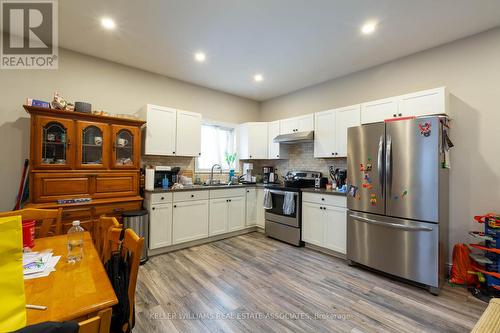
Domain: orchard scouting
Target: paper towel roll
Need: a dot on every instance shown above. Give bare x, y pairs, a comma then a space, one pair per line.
150, 179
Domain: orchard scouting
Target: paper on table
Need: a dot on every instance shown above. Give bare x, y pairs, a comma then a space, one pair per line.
49, 267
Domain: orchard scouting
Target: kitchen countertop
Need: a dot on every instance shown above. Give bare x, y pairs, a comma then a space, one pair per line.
323, 191
204, 188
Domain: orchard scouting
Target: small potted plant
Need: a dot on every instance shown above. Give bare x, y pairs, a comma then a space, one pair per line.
230, 160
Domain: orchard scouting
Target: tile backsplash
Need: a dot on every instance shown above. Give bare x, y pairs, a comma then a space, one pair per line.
300, 157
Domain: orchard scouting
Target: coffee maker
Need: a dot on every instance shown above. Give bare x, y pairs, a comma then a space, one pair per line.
268, 174
247, 173
155, 176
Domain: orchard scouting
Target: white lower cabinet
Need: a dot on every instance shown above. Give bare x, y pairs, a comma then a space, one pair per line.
160, 227
336, 228
313, 224
190, 221
261, 219
324, 225
218, 217
251, 207
236, 214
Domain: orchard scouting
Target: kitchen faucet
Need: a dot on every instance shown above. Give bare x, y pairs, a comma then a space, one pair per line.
212, 172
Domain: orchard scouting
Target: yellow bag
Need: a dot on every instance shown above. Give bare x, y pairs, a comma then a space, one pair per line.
13, 304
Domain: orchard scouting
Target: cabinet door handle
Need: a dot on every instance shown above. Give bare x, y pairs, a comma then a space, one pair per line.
175, 206
153, 208
394, 115
322, 199
199, 154
400, 114
250, 156
173, 152
192, 195
162, 198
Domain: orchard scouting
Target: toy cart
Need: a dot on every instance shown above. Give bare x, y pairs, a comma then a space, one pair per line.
489, 262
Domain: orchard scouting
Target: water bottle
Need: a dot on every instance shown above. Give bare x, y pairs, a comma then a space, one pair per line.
75, 243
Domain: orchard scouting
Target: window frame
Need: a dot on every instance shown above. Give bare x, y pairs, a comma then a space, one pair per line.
223, 125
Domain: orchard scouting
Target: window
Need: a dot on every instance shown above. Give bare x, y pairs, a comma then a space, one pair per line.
216, 141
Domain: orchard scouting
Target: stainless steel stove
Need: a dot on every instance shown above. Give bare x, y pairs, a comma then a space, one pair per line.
283, 223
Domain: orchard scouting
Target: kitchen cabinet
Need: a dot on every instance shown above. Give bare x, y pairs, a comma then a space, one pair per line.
218, 221
160, 130
253, 141
261, 219
345, 117
77, 155
188, 139
236, 213
160, 226
424, 103
420, 103
330, 130
126, 147
251, 207
335, 228
376, 111
323, 223
313, 224
190, 221
275, 150
324, 134
171, 132
297, 124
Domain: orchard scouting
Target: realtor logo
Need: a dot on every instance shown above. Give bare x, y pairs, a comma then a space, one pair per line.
29, 34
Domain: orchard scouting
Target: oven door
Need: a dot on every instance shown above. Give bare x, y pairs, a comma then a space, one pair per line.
276, 214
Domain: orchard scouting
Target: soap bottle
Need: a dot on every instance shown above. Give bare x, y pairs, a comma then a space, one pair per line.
164, 183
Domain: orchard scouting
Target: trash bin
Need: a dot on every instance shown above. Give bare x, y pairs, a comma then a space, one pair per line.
138, 221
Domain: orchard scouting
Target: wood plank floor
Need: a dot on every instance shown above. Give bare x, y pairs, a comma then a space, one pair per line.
251, 283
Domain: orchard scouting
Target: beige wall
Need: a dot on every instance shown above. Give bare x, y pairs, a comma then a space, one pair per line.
109, 86
470, 68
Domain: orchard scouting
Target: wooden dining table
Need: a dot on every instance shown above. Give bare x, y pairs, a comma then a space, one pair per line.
73, 291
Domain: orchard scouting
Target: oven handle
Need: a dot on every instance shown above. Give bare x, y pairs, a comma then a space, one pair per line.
388, 224
282, 192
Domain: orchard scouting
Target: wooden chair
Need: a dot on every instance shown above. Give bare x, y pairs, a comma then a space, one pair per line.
101, 233
133, 245
49, 219
98, 324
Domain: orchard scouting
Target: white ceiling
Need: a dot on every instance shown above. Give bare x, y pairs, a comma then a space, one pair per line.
293, 43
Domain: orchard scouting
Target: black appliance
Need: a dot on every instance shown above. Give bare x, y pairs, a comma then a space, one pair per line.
266, 172
282, 226
160, 174
339, 176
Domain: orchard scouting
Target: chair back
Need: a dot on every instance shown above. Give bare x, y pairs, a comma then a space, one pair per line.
98, 324
48, 220
132, 244
101, 234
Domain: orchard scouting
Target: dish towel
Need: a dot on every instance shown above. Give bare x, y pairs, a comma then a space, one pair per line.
289, 203
268, 201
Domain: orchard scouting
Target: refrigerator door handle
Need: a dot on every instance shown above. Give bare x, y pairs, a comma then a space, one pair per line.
388, 165
390, 225
380, 164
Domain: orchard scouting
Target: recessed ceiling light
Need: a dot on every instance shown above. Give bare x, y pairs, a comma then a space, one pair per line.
108, 23
258, 77
200, 57
369, 27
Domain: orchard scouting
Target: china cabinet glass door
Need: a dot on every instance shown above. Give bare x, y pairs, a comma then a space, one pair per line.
55, 142
92, 140
125, 147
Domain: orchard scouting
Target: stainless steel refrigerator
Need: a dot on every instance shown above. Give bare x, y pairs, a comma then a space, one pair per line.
398, 199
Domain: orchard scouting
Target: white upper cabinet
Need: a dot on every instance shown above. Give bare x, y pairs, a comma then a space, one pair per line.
188, 133
297, 124
275, 150
376, 111
417, 104
159, 136
253, 141
330, 130
424, 103
345, 118
324, 134
171, 132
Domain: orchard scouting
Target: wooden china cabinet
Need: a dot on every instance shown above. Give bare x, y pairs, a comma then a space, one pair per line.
78, 155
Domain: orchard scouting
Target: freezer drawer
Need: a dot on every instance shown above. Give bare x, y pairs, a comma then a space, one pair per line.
404, 248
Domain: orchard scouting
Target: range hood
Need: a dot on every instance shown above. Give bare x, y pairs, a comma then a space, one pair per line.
295, 137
